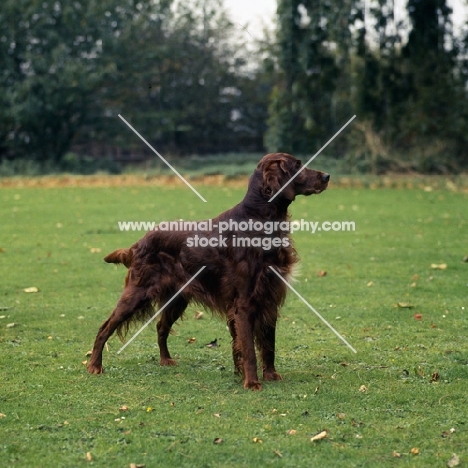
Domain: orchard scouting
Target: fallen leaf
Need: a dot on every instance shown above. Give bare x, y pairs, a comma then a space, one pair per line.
435, 377
292, 432
32, 289
415, 277
321, 435
256, 440
218, 440
363, 389
149, 409
2, 415
341, 416
89, 457
369, 284
217, 415
322, 273
124, 408
439, 266
213, 344
454, 461
191, 340
89, 353
11, 325
84, 363
198, 315
396, 454
418, 316
452, 430
404, 305
278, 453
414, 451
95, 250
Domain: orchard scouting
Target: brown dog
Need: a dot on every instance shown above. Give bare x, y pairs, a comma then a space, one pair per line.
237, 251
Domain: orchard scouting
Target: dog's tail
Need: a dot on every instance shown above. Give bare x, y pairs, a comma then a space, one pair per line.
123, 256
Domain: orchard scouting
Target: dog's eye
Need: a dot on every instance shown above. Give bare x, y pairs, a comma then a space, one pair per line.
298, 164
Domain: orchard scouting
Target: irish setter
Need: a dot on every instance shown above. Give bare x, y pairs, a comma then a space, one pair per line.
236, 283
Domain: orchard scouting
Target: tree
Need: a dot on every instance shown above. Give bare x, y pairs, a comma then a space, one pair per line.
314, 73
56, 62
182, 83
434, 89
411, 87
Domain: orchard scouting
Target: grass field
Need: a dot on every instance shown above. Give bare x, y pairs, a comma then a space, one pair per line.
402, 400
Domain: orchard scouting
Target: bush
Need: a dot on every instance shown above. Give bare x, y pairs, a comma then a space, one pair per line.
71, 163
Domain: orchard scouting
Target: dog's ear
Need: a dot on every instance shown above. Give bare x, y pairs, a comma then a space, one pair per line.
275, 174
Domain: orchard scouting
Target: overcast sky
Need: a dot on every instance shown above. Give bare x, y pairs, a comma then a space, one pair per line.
261, 12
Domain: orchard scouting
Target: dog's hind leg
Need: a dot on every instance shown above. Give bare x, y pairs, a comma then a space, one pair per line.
132, 300
168, 317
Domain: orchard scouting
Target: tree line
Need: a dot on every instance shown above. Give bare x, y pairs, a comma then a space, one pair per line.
190, 81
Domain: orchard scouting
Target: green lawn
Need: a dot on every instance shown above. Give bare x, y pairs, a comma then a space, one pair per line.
402, 400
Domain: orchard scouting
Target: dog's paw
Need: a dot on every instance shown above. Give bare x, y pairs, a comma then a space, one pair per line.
95, 369
253, 385
167, 362
271, 375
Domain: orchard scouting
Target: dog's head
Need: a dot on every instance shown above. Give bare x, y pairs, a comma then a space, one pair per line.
283, 173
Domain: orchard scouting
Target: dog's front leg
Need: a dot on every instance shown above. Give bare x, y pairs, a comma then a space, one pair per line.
266, 343
236, 352
244, 323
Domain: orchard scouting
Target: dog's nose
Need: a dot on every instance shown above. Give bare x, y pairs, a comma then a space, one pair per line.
325, 177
